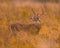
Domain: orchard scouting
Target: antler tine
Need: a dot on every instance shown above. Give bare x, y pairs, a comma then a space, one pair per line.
33, 11
38, 14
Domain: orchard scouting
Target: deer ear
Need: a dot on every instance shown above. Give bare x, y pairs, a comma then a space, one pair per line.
40, 15
31, 18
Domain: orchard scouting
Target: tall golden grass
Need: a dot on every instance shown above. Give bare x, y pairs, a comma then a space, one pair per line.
21, 12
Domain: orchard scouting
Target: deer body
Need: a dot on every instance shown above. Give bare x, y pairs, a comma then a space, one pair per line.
17, 27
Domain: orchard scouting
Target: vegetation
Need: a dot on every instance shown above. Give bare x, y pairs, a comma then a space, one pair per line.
20, 13
56, 1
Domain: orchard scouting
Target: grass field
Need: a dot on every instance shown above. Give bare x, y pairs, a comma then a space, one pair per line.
21, 12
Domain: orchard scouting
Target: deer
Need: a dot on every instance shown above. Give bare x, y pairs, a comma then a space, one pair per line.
35, 27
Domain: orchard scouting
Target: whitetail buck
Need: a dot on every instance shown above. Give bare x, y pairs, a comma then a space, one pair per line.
33, 28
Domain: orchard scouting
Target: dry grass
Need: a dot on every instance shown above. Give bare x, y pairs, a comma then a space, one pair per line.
49, 33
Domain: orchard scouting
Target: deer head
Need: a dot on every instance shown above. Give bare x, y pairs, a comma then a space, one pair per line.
35, 17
